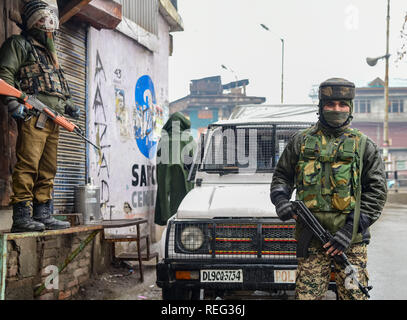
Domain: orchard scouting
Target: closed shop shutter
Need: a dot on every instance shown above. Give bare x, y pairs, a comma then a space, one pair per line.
71, 47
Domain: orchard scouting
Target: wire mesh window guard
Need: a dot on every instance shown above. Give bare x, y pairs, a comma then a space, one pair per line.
231, 148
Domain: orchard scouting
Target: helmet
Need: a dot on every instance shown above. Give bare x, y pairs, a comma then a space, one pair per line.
337, 89
35, 10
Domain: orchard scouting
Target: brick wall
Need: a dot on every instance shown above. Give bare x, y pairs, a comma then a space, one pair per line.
29, 258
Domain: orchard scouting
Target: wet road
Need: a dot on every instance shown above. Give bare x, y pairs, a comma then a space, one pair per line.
387, 267
387, 255
387, 260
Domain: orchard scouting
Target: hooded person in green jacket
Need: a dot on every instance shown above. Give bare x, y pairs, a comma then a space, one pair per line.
327, 164
174, 158
29, 62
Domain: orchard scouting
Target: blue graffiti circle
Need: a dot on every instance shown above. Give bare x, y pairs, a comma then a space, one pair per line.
144, 116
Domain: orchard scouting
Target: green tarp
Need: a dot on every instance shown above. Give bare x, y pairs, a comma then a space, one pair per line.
176, 144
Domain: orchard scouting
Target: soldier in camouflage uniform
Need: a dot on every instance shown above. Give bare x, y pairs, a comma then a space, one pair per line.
338, 173
29, 62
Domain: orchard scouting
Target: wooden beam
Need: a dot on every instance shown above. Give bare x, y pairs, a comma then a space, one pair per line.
101, 14
72, 8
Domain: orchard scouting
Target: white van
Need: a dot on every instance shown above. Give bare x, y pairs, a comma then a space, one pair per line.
226, 235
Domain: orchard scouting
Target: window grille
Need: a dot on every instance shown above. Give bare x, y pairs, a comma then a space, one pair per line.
396, 106
254, 147
362, 106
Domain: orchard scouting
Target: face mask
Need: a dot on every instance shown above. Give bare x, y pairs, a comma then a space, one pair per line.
45, 20
38, 35
335, 118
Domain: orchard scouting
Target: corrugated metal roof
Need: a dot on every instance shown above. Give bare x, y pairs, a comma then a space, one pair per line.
142, 12
287, 112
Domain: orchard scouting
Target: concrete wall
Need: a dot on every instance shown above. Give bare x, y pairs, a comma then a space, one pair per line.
397, 132
8, 127
377, 109
30, 262
128, 105
200, 119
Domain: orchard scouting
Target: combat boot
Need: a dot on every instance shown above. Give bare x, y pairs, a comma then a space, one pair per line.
22, 221
43, 214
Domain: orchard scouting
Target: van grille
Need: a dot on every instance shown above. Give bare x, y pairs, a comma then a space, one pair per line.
226, 239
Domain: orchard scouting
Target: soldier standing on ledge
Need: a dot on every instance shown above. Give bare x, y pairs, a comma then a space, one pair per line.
323, 164
29, 62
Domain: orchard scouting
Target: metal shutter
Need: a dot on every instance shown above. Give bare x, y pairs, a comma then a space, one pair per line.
71, 48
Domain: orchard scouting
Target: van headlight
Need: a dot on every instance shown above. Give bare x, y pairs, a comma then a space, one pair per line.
192, 238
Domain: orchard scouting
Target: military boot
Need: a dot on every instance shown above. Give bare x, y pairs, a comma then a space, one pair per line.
22, 221
43, 214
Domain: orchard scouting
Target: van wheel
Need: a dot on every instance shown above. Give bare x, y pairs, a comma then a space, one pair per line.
180, 293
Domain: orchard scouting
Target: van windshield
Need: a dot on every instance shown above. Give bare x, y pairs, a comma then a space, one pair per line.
256, 148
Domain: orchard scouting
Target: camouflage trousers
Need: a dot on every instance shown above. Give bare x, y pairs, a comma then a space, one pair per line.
314, 273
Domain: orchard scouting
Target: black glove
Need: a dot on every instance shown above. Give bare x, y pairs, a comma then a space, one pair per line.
364, 222
279, 196
17, 110
342, 238
285, 210
72, 110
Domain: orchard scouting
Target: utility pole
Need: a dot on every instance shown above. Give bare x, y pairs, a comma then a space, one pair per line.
282, 71
386, 91
282, 61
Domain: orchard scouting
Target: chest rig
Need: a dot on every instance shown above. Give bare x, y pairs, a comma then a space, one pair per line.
42, 76
328, 173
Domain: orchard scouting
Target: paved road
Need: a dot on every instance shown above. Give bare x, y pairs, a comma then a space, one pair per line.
387, 255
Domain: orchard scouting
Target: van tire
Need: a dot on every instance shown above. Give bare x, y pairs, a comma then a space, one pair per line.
180, 293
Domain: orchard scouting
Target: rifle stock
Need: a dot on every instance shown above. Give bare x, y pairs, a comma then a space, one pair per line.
31, 103
314, 228
7, 90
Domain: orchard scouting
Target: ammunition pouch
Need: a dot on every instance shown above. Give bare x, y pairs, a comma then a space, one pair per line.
42, 76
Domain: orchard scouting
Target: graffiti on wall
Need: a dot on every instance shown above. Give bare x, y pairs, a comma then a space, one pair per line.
138, 124
122, 114
145, 117
143, 176
101, 130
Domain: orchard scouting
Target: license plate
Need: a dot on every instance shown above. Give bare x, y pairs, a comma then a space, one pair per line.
222, 275
284, 276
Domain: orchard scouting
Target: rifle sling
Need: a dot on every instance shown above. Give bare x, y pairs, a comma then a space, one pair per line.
359, 189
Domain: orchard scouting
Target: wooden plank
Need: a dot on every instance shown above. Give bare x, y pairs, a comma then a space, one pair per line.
119, 223
77, 229
124, 238
72, 8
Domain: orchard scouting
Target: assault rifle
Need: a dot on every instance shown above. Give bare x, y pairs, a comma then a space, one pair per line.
314, 228
33, 104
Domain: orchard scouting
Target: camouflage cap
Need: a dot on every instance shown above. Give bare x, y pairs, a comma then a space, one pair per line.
337, 89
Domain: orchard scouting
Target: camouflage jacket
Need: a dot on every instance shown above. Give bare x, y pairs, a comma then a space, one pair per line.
373, 182
18, 58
